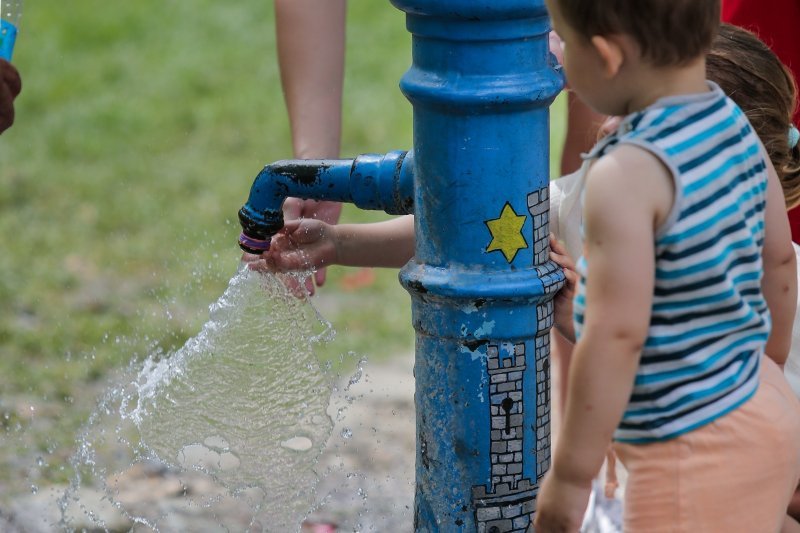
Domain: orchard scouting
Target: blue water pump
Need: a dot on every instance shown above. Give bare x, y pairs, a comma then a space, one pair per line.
481, 280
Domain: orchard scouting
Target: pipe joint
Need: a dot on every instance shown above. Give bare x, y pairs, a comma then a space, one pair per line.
370, 181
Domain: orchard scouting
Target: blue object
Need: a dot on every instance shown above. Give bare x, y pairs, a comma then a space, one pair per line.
481, 281
370, 181
8, 36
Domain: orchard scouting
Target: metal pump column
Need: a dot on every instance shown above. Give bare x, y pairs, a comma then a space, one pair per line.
481, 281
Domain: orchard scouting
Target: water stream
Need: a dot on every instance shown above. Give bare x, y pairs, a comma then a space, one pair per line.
241, 429
242, 406
247, 383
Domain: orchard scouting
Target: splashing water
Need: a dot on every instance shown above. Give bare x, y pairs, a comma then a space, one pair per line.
244, 402
239, 430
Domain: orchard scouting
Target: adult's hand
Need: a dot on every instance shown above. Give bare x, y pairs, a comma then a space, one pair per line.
10, 87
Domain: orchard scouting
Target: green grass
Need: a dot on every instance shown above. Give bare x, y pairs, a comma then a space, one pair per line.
139, 131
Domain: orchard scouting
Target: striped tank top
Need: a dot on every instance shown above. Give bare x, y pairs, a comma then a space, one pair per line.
709, 321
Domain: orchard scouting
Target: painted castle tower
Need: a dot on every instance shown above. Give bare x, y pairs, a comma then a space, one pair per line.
508, 504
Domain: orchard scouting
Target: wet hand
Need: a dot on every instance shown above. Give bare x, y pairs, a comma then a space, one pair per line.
296, 208
302, 245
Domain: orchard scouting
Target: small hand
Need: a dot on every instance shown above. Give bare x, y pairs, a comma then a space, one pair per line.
560, 505
302, 244
562, 303
296, 208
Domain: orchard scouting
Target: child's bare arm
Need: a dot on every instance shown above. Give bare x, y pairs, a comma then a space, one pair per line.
381, 244
628, 194
310, 244
779, 283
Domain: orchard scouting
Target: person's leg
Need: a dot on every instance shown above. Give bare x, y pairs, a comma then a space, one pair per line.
582, 127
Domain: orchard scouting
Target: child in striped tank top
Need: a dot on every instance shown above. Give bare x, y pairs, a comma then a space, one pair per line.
751, 74
309, 242
681, 216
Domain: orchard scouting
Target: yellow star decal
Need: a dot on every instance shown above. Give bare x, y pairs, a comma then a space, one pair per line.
507, 233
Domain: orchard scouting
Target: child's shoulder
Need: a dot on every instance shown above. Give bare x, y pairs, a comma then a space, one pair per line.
634, 175
627, 163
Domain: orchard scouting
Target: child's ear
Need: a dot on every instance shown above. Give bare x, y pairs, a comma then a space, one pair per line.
610, 52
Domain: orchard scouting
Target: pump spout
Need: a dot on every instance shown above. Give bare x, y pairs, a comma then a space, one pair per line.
370, 181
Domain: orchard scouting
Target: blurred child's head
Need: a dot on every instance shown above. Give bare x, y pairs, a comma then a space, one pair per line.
602, 37
753, 77
668, 32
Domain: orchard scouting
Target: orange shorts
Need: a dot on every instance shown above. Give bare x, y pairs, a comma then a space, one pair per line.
735, 474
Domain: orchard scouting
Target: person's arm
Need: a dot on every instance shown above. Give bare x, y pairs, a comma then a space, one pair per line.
628, 194
10, 87
311, 45
387, 244
779, 283
583, 125
311, 244
582, 122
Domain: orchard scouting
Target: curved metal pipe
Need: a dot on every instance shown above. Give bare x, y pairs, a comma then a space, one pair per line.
370, 181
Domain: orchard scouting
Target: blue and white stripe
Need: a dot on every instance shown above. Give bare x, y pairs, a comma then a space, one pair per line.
709, 320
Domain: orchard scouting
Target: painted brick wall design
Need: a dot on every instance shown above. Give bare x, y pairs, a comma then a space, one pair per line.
552, 281
539, 209
507, 505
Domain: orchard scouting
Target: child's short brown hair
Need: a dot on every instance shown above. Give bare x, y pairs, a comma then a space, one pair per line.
669, 32
753, 77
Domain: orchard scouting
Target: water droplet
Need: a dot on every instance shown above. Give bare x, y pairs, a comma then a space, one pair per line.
355, 378
217, 442
298, 444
